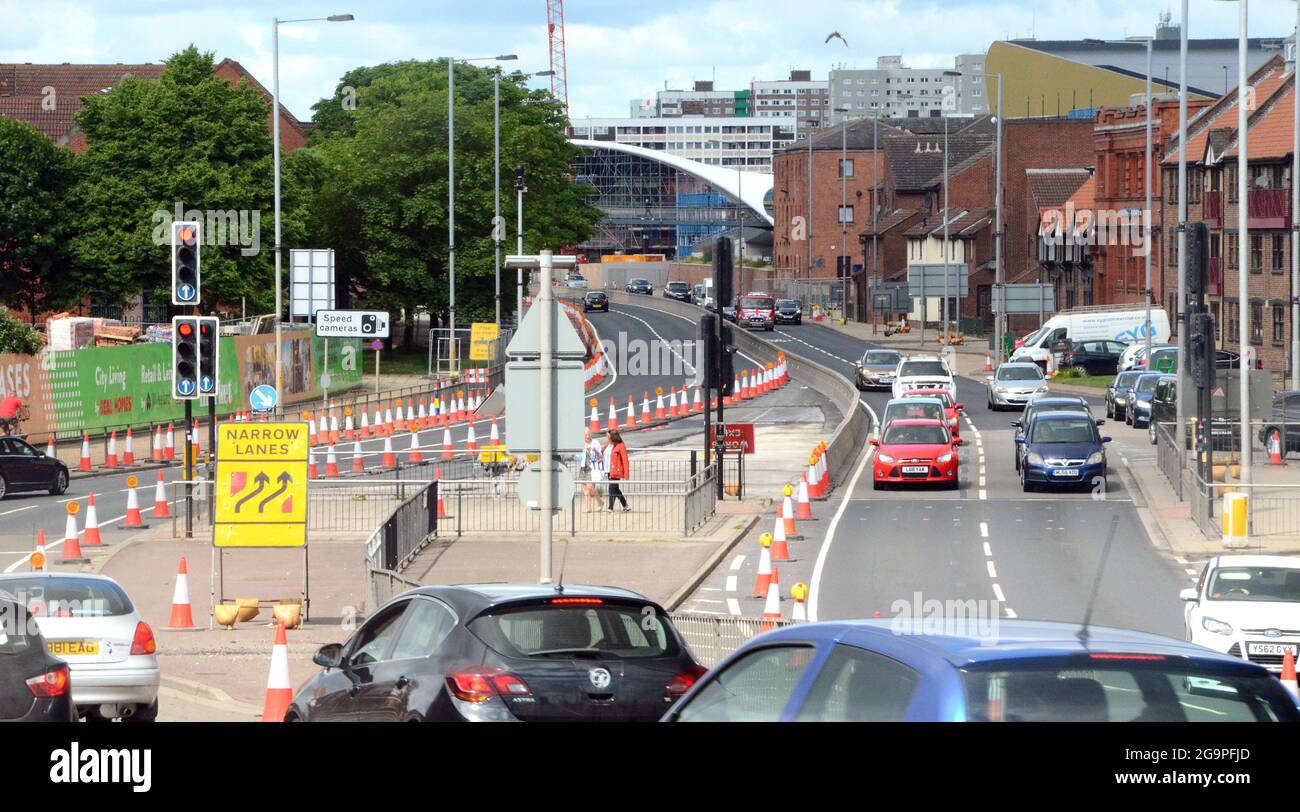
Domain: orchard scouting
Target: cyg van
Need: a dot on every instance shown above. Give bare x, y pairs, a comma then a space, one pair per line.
1125, 324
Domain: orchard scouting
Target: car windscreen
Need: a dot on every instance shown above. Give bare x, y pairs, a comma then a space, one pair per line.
1020, 374
1119, 688
1255, 584
880, 358
639, 282
915, 368
914, 409
69, 596
1063, 431
1147, 384
940, 395
1126, 379
677, 286
915, 435
549, 631
786, 303
756, 303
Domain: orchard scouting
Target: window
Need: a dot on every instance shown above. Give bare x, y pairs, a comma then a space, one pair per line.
1233, 315
1256, 322
1172, 242
1217, 308
1279, 253
374, 639
755, 688
1231, 181
1256, 253
846, 214
1279, 323
846, 167
1233, 254
428, 624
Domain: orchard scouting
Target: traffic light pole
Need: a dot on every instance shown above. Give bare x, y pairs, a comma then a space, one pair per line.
208, 473
189, 468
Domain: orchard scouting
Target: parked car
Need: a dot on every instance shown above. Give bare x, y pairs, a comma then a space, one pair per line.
575, 281
898, 670
1128, 359
912, 408
1119, 393
638, 285
1283, 423
729, 313
1013, 385
24, 468
1055, 403
1138, 413
789, 311
875, 370
1246, 606
503, 652
698, 294
35, 686
1093, 324
679, 291
89, 621
756, 310
1164, 404
1062, 448
595, 300
923, 372
1099, 357
915, 452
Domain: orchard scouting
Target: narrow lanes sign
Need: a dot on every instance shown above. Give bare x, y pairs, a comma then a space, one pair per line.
261, 497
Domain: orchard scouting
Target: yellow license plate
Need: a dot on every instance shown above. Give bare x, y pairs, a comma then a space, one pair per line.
73, 648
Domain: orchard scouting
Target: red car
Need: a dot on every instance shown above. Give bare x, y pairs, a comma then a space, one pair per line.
950, 409
915, 451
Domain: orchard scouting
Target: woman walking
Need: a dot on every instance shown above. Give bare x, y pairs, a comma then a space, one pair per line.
618, 469
593, 465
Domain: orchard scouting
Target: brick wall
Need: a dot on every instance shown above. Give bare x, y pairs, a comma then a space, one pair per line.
790, 185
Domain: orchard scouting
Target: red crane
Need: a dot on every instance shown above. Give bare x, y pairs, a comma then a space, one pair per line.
555, 32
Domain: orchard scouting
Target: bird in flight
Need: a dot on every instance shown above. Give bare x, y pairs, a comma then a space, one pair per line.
839, 36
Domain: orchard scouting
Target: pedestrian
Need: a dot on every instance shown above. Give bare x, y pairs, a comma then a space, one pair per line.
592, 461
618, 469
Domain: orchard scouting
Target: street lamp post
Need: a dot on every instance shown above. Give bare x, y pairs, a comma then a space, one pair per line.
1243, 246
1295, 211
1180, 408
842, 269
275, 152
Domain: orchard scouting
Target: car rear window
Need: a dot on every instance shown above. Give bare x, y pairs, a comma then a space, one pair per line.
70, 596
910, 368
607, 630
1137, 688
918, 409
915, 435
938, 394
756, 303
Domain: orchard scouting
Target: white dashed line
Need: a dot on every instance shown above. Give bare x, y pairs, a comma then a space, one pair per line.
737, 562
988, 551
984, 494
731, 583
997, 592
733, 606
1011, 615
993, 572
984, 529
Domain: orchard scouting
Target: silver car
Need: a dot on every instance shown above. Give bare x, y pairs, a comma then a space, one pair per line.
1015, 384
89, 622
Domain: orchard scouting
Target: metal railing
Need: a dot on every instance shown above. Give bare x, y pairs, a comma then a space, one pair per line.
712, 637
1170, 457
397, 540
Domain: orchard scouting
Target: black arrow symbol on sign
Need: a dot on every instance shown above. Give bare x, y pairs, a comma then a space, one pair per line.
261, 479
285, 480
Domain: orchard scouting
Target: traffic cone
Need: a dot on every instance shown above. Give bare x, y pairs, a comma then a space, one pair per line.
780, 549
447, 452
421, 417
388, 418
312, 473
1287, 678
764, 576
279, 692
349, 430
194, 436
772, 606
182, 613
631, 412
331, 462
389, 459
988, 362
594, 423
471, 440
128, 456
814, 478
37, 559
71, 543
50, 450
824, 486
494, 436
110, 456
787, 514
169, 447
442, 504
156, 451
645, 409
334, 428
1275, 448
802, 505
411, 424
133, 518
745, 393
413, 454
358, 461
800, 594
365, 426
672, 403
660, 414
91, 531
612, 424
697, 405
85, 452
161, 510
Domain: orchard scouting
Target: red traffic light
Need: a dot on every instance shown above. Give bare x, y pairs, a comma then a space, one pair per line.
185, 234
185, 328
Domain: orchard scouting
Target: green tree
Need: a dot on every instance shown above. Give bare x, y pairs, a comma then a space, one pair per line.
18, 337
190, 139
35, 177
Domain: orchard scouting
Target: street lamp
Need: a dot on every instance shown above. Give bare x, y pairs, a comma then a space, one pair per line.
740, 208
275, 152
451, 191
1295, 228
843, 271
875, 197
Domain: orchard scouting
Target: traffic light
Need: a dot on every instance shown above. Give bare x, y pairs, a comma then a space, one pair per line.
209, 341
726, 373
1198, 258
1199, 362
185, 357
724, 292
186, 238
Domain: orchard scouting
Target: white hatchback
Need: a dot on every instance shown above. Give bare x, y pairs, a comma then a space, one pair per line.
923, 372
90, 623
1246, 606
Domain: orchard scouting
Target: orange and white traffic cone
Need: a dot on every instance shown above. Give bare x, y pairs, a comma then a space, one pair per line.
764, 576
133, 519
110, 456
772, 606
364, 433
161, 510
413, 453
169, 445
494, 434
85, 452
182, 616
349, 430
611, 424
156, 450
799, 613
389, 459
672, 403
447, 450
128, 456
358, 461
697, 405
71, 542
442, 504
646, 415
787, 514
194, 437
815, 477
312, 473
780, 549
660, 413
331, 462
1275, 448
411, 424
1287, 678
279, 691
988, 362
593, 425
421, 417
471, 440
37, 559
91, 537
50, 450
803, 505
631, 412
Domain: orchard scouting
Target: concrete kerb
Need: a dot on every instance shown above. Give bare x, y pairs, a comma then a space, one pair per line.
710, 564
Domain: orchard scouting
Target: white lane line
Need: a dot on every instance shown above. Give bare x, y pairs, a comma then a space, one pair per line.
1190, 571
982, 482
19, 510
988, 551
706, 600
997, 592
58, 542
984, 529
993, 572
731, 583
1011, 615
984, 494
737, 562
733, 606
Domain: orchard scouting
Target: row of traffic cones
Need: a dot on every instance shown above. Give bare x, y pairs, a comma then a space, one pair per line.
793, 507
162, 450
414, 454
817, 479
419, 414
90, 535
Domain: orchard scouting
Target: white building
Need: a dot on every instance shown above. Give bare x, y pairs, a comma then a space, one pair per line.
738, 142
801, 97
893, 90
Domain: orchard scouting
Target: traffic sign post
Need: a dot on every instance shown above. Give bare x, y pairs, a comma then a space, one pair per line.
263, 398
377, 346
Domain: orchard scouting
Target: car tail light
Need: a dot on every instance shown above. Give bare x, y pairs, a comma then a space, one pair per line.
143, 642
682, 682
577, 601
481, 684
52, 683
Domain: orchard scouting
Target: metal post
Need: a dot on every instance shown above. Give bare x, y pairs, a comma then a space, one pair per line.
808, 225
275, 152
1181, 396
875, 205
189, 468
999, 318
1243, 247
519, 248
1295, 228
496, 188
944, 309
844, 226
451, 209
1146, 213
545, 412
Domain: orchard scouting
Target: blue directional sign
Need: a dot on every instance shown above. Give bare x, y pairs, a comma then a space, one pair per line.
185, 293
185, 387
206, 385
263, 398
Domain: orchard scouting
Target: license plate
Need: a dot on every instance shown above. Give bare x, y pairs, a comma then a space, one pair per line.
1066, 472
1278, 649
916, 469
73, 648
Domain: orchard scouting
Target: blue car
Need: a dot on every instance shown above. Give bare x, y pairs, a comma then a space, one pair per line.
1062, 448
1014, 671
1138, 414
1043, 405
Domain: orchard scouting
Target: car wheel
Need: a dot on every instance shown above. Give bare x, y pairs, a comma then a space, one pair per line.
1081, 370
4, 487
877, 485
142, 715
1151, 432
799, 320
1110, 410
60, 483
1025, 485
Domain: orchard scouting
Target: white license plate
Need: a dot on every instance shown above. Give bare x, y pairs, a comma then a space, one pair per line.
916, 469
1278, 649
1065, 472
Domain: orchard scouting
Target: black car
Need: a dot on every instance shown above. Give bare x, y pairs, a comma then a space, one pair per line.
642, 286
34, 685
679, 291
1095, 357
1164, 404
503, 652
1283, 424
788, 311
23, 468
595, 300
729, 312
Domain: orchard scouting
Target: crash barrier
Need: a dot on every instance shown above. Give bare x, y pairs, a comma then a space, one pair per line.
712, 637
402, 534
849, 437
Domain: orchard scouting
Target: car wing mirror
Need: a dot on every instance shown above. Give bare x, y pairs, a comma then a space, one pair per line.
1189, 594
875, 441
961, 407
1015, 423
958, 441
1105, 439
1101, 421
329, 655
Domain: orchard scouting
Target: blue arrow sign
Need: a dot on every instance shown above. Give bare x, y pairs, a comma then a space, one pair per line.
185, 386
206, 384
185, 292
263, 398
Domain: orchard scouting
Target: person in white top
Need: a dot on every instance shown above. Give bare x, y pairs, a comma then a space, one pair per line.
594, 465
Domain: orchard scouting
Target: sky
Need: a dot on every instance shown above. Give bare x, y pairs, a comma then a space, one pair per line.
617, 50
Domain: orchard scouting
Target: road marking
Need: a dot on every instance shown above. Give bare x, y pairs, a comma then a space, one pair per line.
984, 494
984, 529
58, 542
676, 316
19, 510
731, 583
706, 600
733, 606
993, 572
1011, 615
737, 562
982, 483
997, 592
988, 551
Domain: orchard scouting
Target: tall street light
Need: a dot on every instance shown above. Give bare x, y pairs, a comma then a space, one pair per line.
451, 191
1243, 245
1295, 211
843, 271
1180, 399
275, 152
876, 159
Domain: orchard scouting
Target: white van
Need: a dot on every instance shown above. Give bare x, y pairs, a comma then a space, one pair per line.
1123, 323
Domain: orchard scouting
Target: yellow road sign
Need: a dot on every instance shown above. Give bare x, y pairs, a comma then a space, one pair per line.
482, 335
261, 487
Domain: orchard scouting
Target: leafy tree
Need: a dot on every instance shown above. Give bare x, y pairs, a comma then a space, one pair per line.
18, 337
35, 177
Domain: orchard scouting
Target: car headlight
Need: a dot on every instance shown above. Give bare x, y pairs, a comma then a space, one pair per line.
1120, 399
1216, 626
885, 458
1034, 458
1142, 405
1042, 388
943, 459
1095, 458
1001, 390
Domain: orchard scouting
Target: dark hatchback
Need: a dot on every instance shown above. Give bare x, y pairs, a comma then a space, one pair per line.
1095, 357
641, 286
34, 685
503, 652
23, 468
788, 311
595, 300
679, 291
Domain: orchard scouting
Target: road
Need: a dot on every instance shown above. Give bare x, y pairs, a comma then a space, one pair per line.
1013, 554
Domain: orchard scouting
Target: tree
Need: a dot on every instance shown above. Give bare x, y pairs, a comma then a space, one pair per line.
18, 337
35, 177
190, 140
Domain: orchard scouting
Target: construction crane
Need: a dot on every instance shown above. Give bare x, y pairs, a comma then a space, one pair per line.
555, 32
